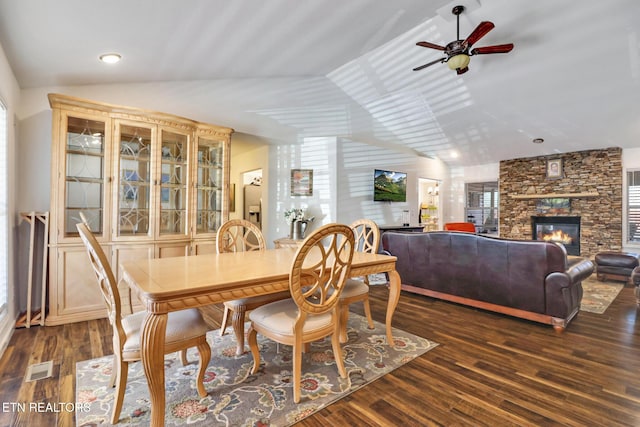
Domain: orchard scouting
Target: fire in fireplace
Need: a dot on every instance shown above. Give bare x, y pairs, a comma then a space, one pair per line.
560, 229
547, 234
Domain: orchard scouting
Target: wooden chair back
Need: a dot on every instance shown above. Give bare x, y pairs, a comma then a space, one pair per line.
239, 235
106, 279
367, 235
320, 269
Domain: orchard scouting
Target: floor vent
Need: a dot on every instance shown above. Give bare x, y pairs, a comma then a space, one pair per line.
39, 371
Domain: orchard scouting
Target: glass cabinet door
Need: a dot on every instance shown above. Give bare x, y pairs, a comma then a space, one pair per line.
173, 183
85, 174
134, 180
209, 186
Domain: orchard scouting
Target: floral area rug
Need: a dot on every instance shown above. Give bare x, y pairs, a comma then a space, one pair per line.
597, 296
238, 398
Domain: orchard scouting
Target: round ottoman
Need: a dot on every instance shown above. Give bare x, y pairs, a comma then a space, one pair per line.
616, 265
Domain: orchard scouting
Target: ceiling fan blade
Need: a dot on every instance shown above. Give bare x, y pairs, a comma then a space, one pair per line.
462, 70
499, 48
481, 30
430, 45
429, 64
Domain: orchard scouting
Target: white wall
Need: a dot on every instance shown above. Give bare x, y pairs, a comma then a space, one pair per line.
356, 163
631, 158
10, 94
461, 176
342, 182
249, 153
318, 154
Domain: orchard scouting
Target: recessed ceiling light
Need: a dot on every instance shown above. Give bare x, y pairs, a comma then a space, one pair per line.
538, 140
110, 58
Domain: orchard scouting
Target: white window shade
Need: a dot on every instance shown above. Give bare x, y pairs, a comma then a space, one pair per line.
633, 206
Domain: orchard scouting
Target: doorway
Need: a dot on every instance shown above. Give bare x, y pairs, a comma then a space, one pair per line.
429, 204
252, 197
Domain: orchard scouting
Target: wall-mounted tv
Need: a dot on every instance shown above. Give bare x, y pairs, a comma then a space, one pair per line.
389, 186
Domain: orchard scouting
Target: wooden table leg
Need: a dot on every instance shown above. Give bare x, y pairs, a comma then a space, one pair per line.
237, 322
152, 346
394, 296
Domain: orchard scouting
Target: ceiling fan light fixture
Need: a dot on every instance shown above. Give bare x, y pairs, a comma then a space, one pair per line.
458, 52
459, 61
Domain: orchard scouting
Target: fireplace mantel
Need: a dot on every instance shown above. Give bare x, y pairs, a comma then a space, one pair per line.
554, 195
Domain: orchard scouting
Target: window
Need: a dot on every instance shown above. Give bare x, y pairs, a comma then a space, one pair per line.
482, 205
633, 206
4, 219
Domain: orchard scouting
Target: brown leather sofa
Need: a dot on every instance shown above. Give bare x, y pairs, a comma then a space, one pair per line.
532, 280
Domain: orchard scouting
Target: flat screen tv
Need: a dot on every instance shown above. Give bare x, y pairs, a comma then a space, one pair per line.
389, 186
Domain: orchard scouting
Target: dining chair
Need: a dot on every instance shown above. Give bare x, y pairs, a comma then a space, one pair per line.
316, 279
367, 239
185, 328
238, 235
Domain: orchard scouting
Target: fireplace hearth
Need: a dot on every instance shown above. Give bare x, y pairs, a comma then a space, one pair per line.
560, 229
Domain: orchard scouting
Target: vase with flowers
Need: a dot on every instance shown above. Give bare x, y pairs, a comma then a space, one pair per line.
298, 221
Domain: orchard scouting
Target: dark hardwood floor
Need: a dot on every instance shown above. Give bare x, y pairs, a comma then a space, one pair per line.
489, 369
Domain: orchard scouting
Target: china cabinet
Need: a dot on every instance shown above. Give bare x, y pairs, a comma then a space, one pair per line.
149, 184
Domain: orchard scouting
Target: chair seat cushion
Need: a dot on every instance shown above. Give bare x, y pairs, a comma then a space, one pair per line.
249, 303
354, 287
181, 326
280, 316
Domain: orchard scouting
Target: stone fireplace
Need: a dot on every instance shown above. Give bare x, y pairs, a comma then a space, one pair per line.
591, 179
560, 229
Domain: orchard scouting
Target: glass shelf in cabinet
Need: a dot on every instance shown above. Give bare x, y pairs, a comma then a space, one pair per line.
87, 180
85, 152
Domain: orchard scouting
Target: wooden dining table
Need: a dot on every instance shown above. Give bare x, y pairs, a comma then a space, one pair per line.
164, 285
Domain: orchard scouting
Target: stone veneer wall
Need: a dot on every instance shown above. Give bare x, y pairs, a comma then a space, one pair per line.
593, 171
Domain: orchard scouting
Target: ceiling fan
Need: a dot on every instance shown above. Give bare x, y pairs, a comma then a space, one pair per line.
459, 51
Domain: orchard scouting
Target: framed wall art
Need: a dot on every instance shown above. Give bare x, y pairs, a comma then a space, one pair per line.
301, 182
554, 168
554, 206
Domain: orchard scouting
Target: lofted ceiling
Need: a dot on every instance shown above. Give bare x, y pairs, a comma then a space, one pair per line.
291, 69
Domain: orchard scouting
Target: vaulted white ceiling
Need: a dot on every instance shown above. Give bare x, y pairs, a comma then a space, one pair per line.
288, 69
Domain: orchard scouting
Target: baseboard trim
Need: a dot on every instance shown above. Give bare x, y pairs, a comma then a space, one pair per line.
7, 327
